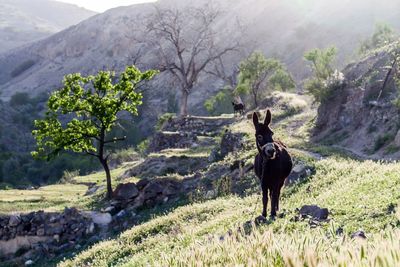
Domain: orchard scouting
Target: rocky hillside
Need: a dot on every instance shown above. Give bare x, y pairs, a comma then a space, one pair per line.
363, 117
25, 21
285, 29
192, 208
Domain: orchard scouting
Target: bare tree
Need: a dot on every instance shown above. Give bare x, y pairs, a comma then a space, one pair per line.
186, 42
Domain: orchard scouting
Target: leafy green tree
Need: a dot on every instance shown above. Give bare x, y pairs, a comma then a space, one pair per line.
383, 35
255, 74
81, 115
281, 80
321, 63
219, 103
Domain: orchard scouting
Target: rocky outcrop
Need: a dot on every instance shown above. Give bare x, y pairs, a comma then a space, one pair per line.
230, 142
163, 165
164, 139
198, 125
361, 117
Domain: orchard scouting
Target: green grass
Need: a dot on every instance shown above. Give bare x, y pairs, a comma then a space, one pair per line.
197, 152
358, 194
51, 198
57, 197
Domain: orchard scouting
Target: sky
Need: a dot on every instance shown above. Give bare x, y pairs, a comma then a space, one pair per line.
103, 5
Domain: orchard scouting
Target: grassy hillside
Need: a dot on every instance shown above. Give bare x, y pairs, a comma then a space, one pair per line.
360, 195
56, 197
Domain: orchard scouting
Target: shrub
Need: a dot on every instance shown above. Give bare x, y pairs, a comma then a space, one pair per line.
163, 119
220, 103
142, 147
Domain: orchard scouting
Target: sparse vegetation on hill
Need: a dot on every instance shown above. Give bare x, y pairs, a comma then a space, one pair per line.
360, 195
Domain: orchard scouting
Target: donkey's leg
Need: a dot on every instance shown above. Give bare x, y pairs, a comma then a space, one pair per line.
277, 199
265, 197
274, 203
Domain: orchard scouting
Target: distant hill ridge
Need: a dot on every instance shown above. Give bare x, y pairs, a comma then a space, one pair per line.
24, 21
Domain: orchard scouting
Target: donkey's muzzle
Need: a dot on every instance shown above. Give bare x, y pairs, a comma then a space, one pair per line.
269, 150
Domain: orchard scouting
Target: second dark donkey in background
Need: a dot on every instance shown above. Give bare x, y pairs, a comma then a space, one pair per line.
272, 164
238, 108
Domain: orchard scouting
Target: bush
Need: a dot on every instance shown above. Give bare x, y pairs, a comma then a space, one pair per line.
143, 147
123, 155
220, 103
322, 90
163, 119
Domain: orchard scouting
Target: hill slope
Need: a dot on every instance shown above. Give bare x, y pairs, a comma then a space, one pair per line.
24, 21
360, 195
285, 29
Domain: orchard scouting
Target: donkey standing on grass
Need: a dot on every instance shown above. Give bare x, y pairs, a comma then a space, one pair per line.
272, 164
238, 108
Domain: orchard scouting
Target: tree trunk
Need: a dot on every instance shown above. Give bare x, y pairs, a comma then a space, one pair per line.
108, 178
255, 99
183, 104
103, 161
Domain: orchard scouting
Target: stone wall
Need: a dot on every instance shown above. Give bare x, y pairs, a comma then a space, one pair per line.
28, 233
164, 140
197, 125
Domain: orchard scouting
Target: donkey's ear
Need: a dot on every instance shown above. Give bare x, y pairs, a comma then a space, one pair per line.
255, 119
268, 118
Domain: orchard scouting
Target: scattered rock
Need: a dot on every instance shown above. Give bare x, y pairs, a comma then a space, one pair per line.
359, 234
14, 220
314, 212
210, 194
339, 230
126, 191
122, 213
102, 219
29, 263
94, 189
299, 173
152, 189
260, 220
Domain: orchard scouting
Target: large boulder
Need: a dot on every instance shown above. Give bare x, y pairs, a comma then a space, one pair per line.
126, 191
314, 212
